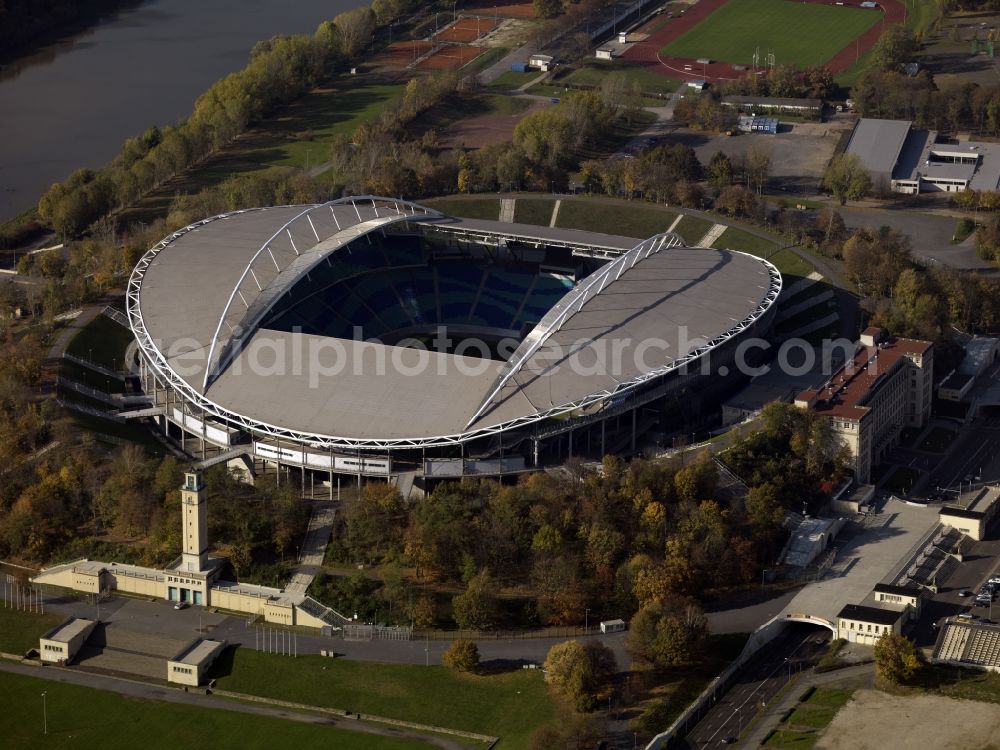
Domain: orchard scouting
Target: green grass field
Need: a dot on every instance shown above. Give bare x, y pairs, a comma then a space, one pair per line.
103, 341
84, 718
614, 217
472, 208
692, 228
509, 705
533, 211
798, 33
805, 724
19, 631
512, 79
594, 71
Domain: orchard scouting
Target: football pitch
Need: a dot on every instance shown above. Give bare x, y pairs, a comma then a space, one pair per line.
799, 33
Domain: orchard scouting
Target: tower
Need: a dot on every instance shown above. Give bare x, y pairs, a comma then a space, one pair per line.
194, 528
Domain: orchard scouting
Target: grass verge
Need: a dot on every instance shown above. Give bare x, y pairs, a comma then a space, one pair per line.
617, 217
19, 631
83, 718
533, 211
102, 341
509, 705
473, 208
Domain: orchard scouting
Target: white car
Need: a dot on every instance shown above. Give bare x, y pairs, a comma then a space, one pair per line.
181, 605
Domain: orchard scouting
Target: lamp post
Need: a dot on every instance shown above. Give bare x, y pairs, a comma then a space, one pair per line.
586, 621
45, 716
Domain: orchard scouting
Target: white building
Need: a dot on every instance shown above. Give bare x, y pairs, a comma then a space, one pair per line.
191, 664
61, 644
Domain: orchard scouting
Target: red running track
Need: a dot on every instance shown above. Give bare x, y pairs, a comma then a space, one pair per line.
647, 52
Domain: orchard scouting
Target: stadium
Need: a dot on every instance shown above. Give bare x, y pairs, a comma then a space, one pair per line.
376, 337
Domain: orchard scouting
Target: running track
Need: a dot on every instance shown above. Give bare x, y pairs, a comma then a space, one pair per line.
647, 52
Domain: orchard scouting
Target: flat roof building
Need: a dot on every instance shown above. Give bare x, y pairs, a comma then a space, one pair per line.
908, 160
191, 664
973, 511
858, 623
885, 387
61, 644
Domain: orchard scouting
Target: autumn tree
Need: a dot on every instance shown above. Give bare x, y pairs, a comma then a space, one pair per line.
896, 658
580, 672
669, 633
476, 607
847, 178
895, 46
462, 656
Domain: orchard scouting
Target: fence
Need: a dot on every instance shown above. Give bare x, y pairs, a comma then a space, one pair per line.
504, 635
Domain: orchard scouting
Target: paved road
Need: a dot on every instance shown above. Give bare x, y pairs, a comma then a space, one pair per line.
798, 648
160, 618
135, 689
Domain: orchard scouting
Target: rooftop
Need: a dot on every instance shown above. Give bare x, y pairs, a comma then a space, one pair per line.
885, 588
975, 503
878, 143
198, 651
68, 630
850, 387
877, 615
774, 101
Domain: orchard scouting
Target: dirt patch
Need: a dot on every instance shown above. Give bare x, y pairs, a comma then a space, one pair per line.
401, 54
878, 721
451, 57
476, 132
647, 51
508, 10
467, 30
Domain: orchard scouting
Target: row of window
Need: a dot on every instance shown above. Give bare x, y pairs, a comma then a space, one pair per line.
50, 647
878, 628
183, 670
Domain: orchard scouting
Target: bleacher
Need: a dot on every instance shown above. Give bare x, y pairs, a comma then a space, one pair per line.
389, 286
974, 644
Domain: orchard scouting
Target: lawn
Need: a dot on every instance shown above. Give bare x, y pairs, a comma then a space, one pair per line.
102, 341
737, 239
802, 34
473, 208
801, 729
509, 705
692, 228
19, 631
938, 440
82, 718
620, 218
594, 71
533, 211
512, 79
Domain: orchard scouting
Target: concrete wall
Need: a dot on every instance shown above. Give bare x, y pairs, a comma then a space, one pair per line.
236, 601
140, 585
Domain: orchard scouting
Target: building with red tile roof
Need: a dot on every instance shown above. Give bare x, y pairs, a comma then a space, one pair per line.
883, 388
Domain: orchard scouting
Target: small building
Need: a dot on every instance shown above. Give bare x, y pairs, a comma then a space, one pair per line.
759, 125
61, 644
612, 626
605, 53
812, 108
852, 498
955, 386
906, 599
973, 512
698, 85
857, 623
544, 63
191, 664
809, 540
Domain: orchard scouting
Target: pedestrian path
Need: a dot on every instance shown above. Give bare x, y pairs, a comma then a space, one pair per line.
507, 210
313, 549
555, 212
712, 235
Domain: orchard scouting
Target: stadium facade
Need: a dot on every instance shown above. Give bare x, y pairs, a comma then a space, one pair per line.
374, 337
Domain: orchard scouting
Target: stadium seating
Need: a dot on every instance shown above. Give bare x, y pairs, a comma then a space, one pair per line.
388, 286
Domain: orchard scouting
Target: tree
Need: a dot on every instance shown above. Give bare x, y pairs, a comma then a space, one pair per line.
720, 170
422, 612
764, 506
668, 634
547, 8
758, 167
475, 608
896, 658
847, 178
896, 46
352, 30
580, 672
462, 655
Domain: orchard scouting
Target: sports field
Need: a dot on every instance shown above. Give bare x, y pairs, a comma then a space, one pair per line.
799, 33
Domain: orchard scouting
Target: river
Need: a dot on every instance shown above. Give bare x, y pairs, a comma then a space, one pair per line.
72, 104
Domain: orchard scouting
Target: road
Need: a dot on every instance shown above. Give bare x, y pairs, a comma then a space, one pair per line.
798, 648
160, 618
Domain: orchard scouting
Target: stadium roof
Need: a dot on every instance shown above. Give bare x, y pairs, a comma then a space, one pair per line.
878, 143
661, 305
